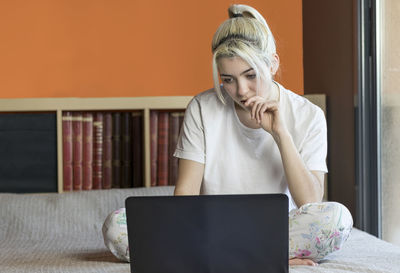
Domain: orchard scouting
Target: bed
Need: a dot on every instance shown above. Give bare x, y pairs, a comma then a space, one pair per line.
62, 233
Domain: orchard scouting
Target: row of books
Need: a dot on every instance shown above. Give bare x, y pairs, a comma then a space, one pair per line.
103, 150
164, 132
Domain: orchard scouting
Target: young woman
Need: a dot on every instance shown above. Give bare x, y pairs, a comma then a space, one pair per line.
251, 135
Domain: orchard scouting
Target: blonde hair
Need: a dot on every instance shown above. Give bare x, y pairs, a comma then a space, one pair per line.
246, 35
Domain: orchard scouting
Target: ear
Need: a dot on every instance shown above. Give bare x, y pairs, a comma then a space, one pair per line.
275, 64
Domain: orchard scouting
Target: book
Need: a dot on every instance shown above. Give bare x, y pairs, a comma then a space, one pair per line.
153, 147
173, 140
126, 150
137, 149
67, 151
97, 150
116, 150
77, 150
107, 150
87, 147
162, 149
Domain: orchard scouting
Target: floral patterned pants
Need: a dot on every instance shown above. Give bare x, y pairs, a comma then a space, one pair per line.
315, 230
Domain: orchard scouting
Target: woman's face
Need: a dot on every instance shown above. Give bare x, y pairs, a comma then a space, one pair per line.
240, 81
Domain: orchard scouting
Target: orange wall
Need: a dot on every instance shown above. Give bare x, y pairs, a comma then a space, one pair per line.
125, 48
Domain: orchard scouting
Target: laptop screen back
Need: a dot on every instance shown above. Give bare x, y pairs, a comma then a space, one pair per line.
213, 233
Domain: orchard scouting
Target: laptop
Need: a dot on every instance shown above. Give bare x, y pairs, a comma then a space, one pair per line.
208, 233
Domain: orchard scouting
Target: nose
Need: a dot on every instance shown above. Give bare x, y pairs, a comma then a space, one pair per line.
241, 89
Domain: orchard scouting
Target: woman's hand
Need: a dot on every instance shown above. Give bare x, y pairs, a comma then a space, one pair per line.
267, 115
304, 186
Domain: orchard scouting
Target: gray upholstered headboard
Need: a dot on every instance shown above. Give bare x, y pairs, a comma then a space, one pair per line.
320, 100
317, 99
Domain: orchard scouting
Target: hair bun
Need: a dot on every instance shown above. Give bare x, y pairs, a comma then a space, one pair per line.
237, 10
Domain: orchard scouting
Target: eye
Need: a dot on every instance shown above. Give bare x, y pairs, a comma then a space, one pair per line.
251, 76
227, 80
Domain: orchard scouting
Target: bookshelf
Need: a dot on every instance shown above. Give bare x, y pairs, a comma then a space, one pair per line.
58, 105
145, 104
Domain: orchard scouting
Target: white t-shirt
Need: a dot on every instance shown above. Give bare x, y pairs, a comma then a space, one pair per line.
241, 160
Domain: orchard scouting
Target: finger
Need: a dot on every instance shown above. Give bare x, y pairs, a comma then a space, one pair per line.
259, 112
267, 107
263, 110
251, 100
272, 105
253, 109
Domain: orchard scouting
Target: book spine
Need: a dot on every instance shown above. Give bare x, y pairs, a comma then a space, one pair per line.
67, 151
107, 151
116, 150
153, 147
162, 166
77, 150
87, 124
137, 149
126, 151
97, 150
173, 140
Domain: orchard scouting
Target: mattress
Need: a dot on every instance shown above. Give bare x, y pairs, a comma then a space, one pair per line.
62, 233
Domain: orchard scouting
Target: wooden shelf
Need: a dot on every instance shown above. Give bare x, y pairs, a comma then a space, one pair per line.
58, 105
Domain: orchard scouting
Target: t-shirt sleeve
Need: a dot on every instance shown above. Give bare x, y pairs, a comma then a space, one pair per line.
191, 137
315, 144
